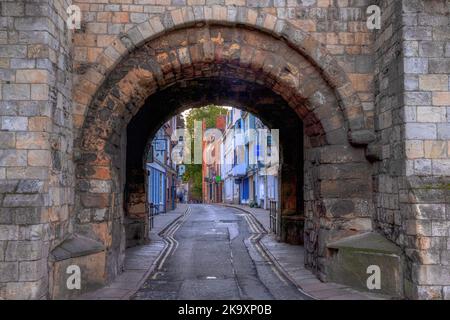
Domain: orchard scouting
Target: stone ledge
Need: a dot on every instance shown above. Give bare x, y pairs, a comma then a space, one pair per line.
76, 246
369, 241
361, 137
350, 259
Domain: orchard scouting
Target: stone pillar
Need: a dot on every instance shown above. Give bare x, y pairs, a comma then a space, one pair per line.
412, 175
35, 147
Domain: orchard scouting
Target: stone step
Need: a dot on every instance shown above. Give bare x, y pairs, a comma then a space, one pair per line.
356, 260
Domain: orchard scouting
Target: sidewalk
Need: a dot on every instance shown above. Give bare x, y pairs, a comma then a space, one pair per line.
290, 261
139, 262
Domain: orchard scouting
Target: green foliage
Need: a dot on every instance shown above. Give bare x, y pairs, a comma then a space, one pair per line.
193, 172
208, 113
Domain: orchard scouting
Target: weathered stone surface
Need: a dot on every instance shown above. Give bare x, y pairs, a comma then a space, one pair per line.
361, 137
9, 271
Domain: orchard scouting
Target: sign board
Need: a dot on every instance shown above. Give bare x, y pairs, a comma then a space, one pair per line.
181, 169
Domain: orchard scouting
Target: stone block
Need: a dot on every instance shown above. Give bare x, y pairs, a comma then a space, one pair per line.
7, 140
420, 131
100, 186
14, 123
32, 270
418, 98
435, 149
433, 82
31, 76
431, 49
13, 9
32, 140
24, 250
39, 92
13, 51
27, 216
416, 65
32, 23
8, 232
432, 275
439, 65
39, 158
443, 131
431, 211
422, 167
16, 91
30, 186
9, 271
23, 200
7, 186
441, 98
362, 137
441, 167
24, 290
27, 173
440, 228
12, 158
100, 200
414, 149
431, 114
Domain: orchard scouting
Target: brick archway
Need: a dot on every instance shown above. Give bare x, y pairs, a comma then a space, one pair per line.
324, 102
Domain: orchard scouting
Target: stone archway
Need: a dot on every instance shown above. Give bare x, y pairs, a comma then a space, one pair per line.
337, 189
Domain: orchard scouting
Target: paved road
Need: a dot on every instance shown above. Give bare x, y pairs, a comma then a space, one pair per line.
213, 258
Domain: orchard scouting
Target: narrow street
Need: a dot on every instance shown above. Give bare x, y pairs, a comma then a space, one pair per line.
212, 254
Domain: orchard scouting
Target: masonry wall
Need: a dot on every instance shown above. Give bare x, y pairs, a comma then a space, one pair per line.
412, 122
340, 25
425, 195
35, 142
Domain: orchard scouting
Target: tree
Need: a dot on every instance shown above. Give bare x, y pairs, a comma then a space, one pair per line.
193, 172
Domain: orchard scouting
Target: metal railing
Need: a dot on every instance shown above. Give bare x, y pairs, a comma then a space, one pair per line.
273, 216
153, 211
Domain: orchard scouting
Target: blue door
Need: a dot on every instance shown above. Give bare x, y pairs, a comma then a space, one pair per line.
245, 189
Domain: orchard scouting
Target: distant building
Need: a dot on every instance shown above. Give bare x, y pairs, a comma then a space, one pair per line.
212, 184
162, 172
249, 177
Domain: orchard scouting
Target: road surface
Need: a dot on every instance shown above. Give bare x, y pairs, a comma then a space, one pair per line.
212, 255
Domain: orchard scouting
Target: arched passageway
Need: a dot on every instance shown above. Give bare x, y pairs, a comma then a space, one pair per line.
316, 112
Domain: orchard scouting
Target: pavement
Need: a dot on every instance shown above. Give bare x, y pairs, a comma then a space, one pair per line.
140, 261
289, 259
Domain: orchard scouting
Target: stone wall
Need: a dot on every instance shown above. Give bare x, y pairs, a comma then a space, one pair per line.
35, 142
425, 193
339, 25
412, 99
44, 110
